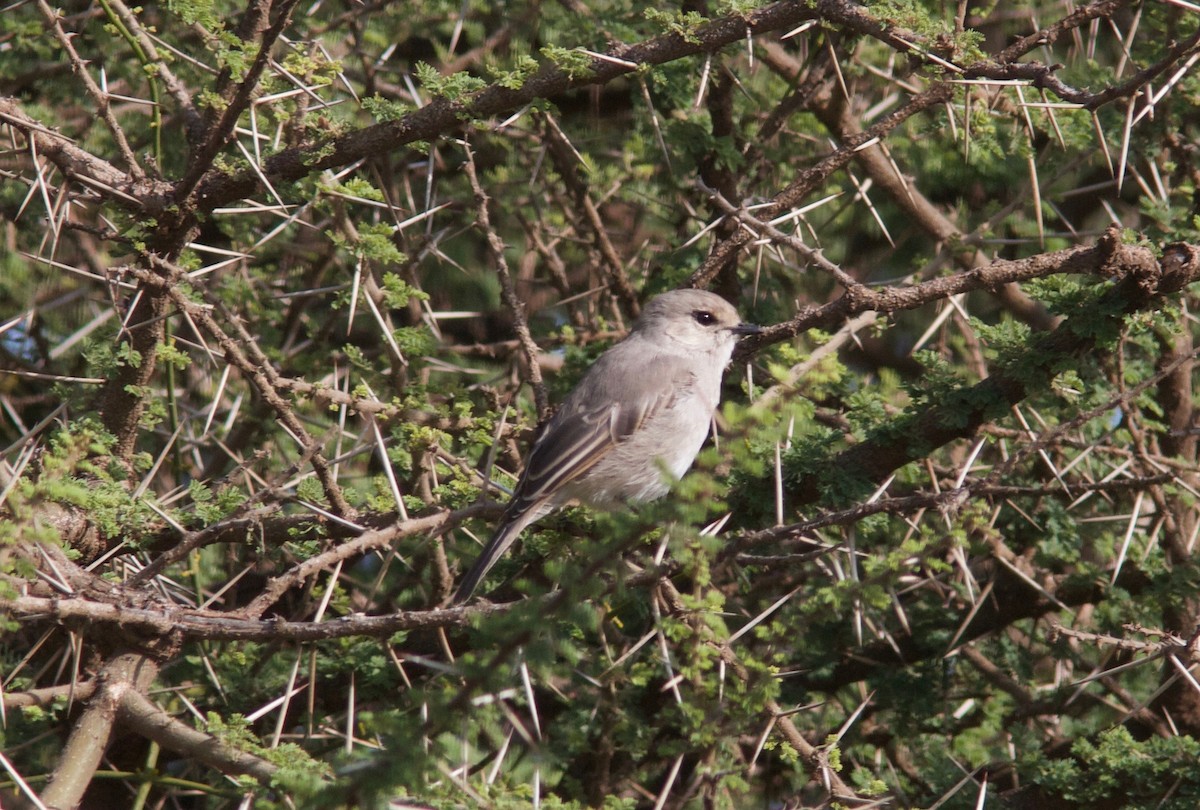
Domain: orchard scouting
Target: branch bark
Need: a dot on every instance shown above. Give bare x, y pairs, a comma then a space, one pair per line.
123, 673
138, 714
1144, 280
442, 116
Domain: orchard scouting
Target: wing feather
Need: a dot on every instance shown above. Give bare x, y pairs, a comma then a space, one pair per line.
593, 421
620, 393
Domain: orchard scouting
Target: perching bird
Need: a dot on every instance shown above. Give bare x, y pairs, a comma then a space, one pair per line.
644, 406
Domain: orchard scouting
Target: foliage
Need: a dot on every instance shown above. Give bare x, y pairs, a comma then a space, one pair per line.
267, 373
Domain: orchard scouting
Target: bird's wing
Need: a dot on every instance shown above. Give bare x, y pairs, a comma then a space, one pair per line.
619, 394
609, 405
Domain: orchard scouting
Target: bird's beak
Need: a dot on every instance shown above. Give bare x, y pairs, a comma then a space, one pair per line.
743, 329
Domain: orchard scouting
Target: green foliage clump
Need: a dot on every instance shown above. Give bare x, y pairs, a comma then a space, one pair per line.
455, 87
573, 62
680, 23
1115, 767
374, 243
947, 538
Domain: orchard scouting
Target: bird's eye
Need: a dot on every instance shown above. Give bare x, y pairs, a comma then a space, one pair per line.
704, 317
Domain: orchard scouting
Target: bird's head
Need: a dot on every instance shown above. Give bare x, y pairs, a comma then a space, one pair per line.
695, 320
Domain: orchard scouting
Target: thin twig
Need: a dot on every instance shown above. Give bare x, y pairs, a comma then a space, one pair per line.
53, 20
508, 290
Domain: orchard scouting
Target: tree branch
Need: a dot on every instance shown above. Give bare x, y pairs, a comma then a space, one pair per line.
508, 290
812, 177
442, 116
1144, 280
79, 165
218, 135
138, 714
53, 20
81, 756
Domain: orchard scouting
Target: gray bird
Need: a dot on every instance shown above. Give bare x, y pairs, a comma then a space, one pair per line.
646, 404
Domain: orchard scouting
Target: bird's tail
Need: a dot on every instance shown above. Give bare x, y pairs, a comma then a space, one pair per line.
510, 528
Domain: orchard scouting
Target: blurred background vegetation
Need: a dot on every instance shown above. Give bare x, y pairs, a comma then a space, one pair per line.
285, 289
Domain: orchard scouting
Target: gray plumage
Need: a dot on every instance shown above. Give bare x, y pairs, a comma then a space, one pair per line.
645, 404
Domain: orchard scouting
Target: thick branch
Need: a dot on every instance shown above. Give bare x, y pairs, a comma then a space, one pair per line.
85, 747
46, 696
1145, 281
442, 116
81, 613
1090, 259
219, 134
83, 167
137, 714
